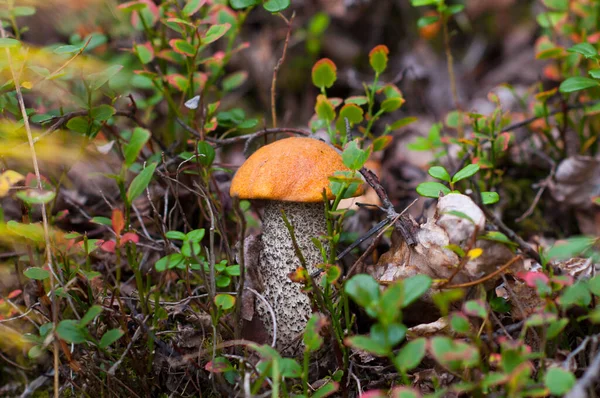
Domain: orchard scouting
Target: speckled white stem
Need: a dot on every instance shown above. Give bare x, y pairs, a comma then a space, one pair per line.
278, 259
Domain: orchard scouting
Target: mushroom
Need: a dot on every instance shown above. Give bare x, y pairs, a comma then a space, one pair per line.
289, 174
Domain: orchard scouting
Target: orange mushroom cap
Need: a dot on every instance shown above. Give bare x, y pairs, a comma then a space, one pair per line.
291, 170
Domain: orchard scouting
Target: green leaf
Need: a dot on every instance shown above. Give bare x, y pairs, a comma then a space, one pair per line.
454, 9
34, 232
239, 4
378, 58
79, 124
353, 157
595, 73
364, 290
440, 173
389, 335
224, 301
102, 112
36, 197
110, 337
89, 316
169, 262
585, 49
196, 235
368, 344
138, 139
453, 354
324, 73
324, 109
206, 153
312, 338
69, 331
460, 323
234, 80
411, 355
144, 53
572, 247
276, 5
475, 308
182, 47
326, 390
559, 381
415, 287
97, 80
577, 83
215, 32
140, 183
351, 112
192, 6
357, 100
391, 104
419, 3
403, 122
559, 5
432, 189
466, 172
102, 221
233, 270
489, 198
9, 43
36, 273
576, 295
393, 297
22, 11
426, 21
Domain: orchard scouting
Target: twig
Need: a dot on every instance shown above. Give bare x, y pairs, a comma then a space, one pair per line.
136, 336
452, 76
271, 312
242, 262
565, 364
542, 187
487, 277
511, 234
36, 169
588, 378
403, 224
553, 113
279, 63
369, 249
240, 138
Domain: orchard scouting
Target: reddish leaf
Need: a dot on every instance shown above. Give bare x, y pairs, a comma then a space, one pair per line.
129, 237
118, 223
14, 293
531, 277
108, 246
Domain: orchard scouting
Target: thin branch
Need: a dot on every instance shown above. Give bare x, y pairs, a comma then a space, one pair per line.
525, 247
247, 137
487, 277
271, 312
587, 380
276, 69
36, 169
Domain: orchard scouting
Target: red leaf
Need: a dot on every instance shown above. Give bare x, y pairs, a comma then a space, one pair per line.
129, 237
14, 293
108, 246
531, 277
118, 223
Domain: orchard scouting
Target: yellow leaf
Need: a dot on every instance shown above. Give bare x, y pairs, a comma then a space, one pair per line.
474, 253
27, 85
7, 180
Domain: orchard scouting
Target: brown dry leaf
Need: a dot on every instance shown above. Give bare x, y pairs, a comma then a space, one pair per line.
428, 329
577, 181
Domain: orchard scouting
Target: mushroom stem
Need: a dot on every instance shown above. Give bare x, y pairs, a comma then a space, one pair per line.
278, 259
